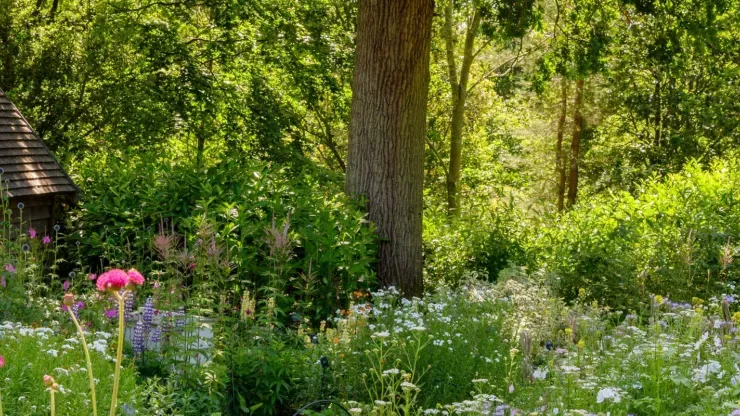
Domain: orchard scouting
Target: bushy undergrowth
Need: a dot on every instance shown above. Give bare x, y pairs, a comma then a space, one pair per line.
257, 226
676, 236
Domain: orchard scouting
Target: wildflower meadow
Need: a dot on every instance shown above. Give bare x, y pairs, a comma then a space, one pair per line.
369, 208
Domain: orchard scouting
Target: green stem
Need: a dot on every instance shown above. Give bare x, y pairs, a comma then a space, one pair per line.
1, 405
87, 358
53, 406
119, 352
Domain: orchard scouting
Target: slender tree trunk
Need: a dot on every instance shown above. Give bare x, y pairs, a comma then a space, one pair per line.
575, 144
459, 89
387, 128
201, 148
560, 155
658, 112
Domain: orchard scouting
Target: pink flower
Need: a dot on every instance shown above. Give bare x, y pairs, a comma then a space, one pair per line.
2, 361
65, 285
9, 268
46, 239
92, 276
32, 233
112, 280
3, 283
111, 313
155, 285
135, 278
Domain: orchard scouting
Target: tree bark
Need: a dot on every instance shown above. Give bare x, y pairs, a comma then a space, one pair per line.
575, 144
560, 155
387, 131
459, 89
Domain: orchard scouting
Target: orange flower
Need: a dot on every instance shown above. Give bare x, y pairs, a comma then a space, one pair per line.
336, 340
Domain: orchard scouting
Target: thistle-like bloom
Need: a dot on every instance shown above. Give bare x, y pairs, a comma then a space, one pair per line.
32, 233
112, 280
135, 278
46, 240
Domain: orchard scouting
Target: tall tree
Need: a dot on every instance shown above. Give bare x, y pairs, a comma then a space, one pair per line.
490, 23
387, 128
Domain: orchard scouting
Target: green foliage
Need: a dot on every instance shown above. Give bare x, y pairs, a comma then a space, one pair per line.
30, 353
675, 237
293, 235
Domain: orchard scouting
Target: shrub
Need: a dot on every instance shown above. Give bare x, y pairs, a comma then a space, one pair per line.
241, 210
675, 237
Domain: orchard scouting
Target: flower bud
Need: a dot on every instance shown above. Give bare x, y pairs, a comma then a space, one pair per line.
49, 381
69, 299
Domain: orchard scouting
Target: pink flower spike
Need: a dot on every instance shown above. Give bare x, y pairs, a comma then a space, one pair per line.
134, 277
9, 268
65, 285
32, 233
46, 239
2, 361
112, 280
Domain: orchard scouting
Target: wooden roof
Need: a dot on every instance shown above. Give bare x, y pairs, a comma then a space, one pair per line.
28, 167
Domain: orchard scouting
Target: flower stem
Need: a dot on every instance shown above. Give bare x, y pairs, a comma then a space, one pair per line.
119, 352
89, 363
53, 406
1, 405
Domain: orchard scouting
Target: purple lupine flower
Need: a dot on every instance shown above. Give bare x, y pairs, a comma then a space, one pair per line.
128, 307
156, 335
138, 340
180, 321
65, 285
148, 314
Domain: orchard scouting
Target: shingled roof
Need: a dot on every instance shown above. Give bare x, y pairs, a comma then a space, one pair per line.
27, 164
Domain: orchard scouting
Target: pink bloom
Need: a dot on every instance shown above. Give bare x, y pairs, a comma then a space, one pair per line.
92, 276
9, 268
135, 277
2, 361
65, 285
32, 233
111, 313
3, 283
46, 239
155, 285
192, 266
113, 280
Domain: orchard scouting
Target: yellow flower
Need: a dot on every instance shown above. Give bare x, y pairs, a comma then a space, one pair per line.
581, 293
736, 317
581, 344
697, 301
595, 304
658, 299
568, 331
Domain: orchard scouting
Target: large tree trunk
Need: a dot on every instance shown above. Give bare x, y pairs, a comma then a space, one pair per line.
387, 128
459, 89
575, 144
560, 155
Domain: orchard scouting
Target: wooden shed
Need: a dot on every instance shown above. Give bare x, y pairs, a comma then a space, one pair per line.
30, 176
